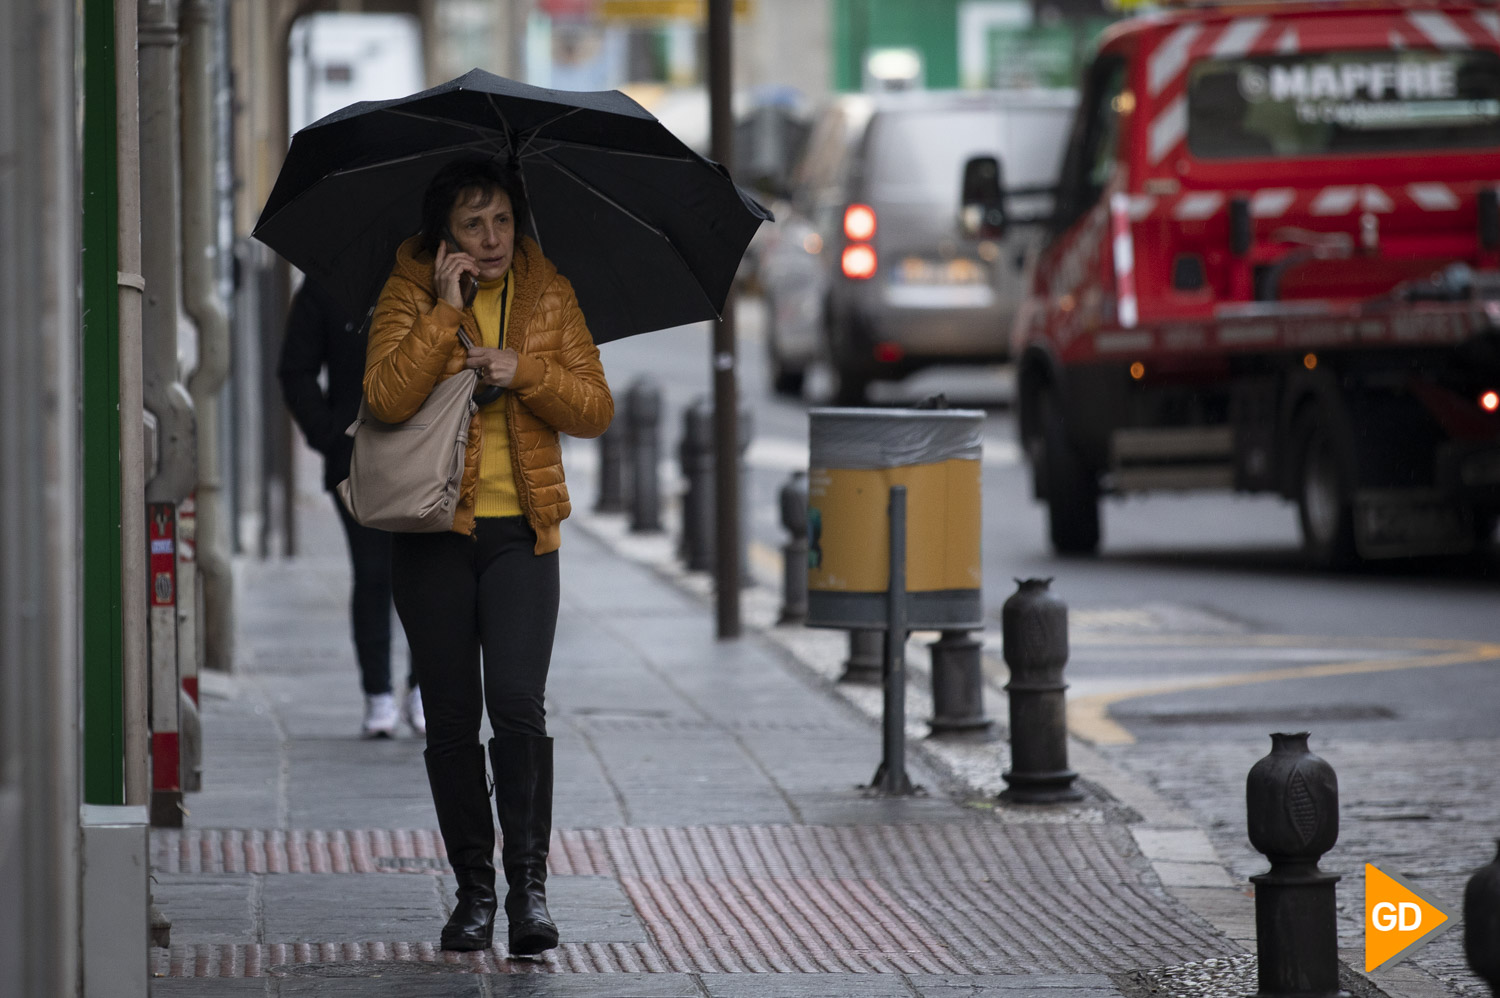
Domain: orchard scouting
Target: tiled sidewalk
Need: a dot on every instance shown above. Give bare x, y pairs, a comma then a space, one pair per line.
711, 837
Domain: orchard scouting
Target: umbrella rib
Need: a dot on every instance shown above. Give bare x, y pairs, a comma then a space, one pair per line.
425, 154
506, 130
638, 220
428, 118
613, 151
535, 131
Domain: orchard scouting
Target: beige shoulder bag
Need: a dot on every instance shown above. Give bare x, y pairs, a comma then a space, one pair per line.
404, 477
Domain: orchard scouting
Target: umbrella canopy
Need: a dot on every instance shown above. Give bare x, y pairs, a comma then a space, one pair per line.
648, 231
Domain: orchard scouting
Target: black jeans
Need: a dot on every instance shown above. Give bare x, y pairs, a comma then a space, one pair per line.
370, 603
459, 595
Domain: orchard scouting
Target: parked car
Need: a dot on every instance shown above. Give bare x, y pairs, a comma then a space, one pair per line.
870, 268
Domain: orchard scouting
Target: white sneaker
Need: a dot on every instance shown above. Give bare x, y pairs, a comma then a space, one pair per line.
416, 719
380, 716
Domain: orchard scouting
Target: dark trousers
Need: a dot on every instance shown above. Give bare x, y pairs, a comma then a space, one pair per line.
480, 613
370, 602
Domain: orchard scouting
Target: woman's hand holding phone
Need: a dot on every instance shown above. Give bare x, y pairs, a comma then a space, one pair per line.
454, 276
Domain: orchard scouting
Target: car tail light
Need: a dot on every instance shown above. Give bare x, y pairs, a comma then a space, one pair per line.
859, 222
1490, 401
859, 261
888, 353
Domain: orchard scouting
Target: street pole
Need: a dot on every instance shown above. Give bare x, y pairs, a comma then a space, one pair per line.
726, 400
519, 17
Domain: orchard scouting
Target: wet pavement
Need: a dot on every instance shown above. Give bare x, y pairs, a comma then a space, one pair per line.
712, 834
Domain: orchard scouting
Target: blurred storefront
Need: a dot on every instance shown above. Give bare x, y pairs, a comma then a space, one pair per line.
939, 44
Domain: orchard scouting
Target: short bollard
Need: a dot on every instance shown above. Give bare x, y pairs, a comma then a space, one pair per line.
1034, 624
643, 421
1292, 807
866, 655
958, 689
1482, 924
612, 469
695, 453
794, 551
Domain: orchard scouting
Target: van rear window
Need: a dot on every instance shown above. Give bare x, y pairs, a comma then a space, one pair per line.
1330, 103
918, 155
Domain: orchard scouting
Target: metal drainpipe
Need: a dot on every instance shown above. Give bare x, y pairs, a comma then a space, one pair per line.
200, 218
175, 474
136, 677
165, 397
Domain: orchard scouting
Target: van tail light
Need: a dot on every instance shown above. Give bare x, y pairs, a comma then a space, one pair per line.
859, 261
859, 222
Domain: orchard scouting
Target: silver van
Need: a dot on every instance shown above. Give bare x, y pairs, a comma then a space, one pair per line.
870, 268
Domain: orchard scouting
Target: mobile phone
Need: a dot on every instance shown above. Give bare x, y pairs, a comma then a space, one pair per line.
468, 287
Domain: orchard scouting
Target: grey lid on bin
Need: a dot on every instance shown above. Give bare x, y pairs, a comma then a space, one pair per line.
893, 438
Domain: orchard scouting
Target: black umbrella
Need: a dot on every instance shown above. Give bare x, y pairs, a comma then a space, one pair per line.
648, 231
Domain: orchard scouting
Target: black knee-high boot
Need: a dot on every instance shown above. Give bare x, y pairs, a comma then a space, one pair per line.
463, 810
523, 800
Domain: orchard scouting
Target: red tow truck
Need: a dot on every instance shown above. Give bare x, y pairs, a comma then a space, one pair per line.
1274, 266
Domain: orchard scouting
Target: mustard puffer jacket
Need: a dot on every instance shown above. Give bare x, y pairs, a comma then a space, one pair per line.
559, 384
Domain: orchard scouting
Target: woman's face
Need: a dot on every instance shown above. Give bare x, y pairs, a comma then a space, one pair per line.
485, 228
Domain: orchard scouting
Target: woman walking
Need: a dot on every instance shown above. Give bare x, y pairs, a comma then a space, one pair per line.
479, 603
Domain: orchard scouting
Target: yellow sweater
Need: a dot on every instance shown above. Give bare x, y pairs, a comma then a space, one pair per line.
496, 494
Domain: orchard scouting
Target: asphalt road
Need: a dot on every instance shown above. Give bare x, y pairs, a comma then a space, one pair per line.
1225, 627
1232, 557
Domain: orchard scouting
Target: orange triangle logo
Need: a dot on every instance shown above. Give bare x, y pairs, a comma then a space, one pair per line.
1397, 919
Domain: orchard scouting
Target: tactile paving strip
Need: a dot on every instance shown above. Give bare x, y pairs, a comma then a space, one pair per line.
965, 897
355, 850
297, 959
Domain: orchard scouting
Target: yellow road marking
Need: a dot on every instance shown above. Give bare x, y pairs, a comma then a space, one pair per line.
1096, 639
1088, 716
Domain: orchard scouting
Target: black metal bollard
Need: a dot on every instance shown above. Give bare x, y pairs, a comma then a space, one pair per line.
612, 469
695, 453
958, 689
643, 422
794, 551
1292, 806
699, 514
1034, 624
866, 657
1482, 924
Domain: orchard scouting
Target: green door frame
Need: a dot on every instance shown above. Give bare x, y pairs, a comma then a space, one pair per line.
103, 677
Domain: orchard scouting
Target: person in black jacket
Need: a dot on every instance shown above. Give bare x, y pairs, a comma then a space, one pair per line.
321, 335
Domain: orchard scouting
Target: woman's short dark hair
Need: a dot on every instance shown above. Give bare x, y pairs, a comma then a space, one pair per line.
461, 177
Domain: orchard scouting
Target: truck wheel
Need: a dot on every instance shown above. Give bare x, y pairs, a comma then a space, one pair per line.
1325, 494
1072, 488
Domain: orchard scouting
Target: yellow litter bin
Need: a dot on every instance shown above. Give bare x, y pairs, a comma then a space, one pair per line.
856, 456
